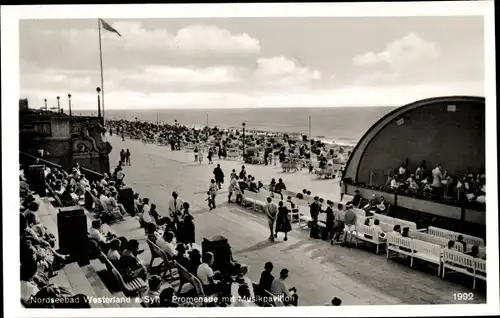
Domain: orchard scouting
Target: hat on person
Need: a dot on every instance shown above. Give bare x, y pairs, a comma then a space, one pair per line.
349, 205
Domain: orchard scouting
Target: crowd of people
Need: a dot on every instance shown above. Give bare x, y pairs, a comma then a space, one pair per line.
272, 147
174, 234
467, 188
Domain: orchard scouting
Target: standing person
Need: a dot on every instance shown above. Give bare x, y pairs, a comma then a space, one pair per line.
233, 186
437, 181
188, 233
283, 221
349, 223
220, 152
219, 176
196, 151
210, 154
330, 219
271, 211
213, 191
243, 173
127, 157
174, 208
122, 156
200, 156
233, 174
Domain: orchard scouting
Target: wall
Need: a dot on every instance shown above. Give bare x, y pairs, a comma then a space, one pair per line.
431, 133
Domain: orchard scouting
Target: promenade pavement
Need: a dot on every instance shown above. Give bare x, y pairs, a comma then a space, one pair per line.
318, 270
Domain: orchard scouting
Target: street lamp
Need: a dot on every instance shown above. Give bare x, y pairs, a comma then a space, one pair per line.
98, 90
45, 100
69, 102
244, 141
58, 104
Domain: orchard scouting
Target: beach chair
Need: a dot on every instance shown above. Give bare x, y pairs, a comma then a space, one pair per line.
167, 265
136, 286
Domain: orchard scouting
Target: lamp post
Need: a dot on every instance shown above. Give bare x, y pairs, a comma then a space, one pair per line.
45, 100
98, 90
244, 141
69, 102
58, 104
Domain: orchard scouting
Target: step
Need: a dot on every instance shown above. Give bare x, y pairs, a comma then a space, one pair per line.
79, 282
61, 279
100, 290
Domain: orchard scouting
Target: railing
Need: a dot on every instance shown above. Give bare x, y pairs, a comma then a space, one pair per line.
91, 175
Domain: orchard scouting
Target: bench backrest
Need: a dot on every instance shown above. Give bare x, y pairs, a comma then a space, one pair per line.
443, 242
188, 277
442, 233
398, 240
426, 248
287, 193
368, 230
480, 265
469, 239
254, 196
154, 249
404, 223
455, 257
384, 218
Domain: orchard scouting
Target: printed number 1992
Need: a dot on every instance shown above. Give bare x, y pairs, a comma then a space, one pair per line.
463, 296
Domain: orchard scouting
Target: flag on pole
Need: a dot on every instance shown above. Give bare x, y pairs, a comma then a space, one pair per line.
108, 27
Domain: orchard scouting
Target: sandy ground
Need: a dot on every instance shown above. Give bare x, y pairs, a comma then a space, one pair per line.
318, 270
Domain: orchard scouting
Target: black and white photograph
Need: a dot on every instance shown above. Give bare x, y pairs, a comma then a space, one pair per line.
294, 156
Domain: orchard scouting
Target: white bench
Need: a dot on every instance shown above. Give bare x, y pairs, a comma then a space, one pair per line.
254, 199
469, 239
369, 234
414, 249
384, 218
426, 251
460, 262
403, 223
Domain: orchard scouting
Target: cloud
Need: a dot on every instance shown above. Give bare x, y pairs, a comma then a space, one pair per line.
192, 39
409, 49
282, 71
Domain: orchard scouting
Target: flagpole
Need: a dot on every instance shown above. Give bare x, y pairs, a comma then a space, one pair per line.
102, 75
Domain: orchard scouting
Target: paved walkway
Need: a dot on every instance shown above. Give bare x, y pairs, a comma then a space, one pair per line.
318, 270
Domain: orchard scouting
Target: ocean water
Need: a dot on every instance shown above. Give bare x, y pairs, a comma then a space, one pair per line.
343, 125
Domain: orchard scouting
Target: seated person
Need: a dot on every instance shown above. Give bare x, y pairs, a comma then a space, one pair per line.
244, 298
69, 197
266, 277
156, 216
131, 266
474, 252
113, 205
28, 287
151, 232
206, 275
335, 302
377, 228
460, 239
167, 298
241, 278
405, 233
194, 261
166, 243
40, 229
95, 233
181, 257
280, 288
114, 248
152, 297
381, 207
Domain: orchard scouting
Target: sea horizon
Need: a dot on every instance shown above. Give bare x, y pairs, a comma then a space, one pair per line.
342, 125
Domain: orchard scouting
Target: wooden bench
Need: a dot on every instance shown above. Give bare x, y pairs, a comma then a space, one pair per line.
469, 239
133, 287
369, 234
464, 264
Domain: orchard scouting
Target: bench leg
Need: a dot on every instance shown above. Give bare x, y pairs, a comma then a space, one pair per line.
411, 261
444, 270
473, 282
377, 248
439, 268
387, 248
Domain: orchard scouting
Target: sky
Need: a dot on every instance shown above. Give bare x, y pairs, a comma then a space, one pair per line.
252, 62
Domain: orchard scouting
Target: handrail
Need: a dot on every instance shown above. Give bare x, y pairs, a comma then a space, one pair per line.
89, 173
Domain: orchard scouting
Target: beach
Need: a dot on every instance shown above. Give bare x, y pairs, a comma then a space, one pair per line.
318, 270
340, 125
